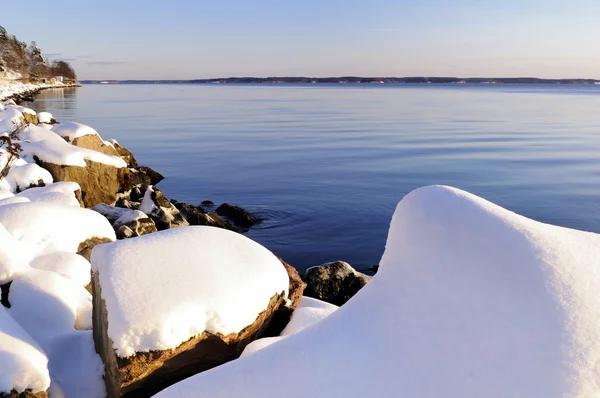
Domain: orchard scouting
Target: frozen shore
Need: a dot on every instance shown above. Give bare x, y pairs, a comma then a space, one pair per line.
110, 289
17, 90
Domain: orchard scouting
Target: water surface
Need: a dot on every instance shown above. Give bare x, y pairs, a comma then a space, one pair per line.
327, 164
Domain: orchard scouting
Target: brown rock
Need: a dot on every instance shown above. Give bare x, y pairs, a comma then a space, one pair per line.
99, 182
197, 216
95, 143
31, 119
144, 374
24, 394
85, 247
135, 228
126, 155
155, 176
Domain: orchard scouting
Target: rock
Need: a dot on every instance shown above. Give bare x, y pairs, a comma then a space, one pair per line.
135, 228
207, 203
127, 204
4, 290
118, 215
137, 193
85, 247
237, 215
126, 155
99, 182
334, 282
30, 118
197, 216
139, 177
94, 142
159, 209
155, 176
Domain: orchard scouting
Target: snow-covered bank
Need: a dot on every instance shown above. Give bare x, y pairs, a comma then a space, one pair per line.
9, 89
471, 300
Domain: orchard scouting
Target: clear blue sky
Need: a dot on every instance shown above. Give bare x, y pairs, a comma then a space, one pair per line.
150, 39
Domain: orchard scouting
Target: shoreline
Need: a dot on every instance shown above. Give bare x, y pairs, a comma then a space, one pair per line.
20, 92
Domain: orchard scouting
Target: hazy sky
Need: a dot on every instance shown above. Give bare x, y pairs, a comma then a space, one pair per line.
199, 39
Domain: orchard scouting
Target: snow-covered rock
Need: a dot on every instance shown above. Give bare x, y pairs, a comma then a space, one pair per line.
66, 193
84, 136
48, 227
334, 282
14, 255
45, 117
194, 288
72, 266
23, 364
470, 300
23, 175
71, 130
164, 214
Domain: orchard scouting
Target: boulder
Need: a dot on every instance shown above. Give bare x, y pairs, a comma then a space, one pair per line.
30, 118
125, 154
99, 182
334, 282
240, 217
95, 143
155, 176
195, 289
139, 177
197, 216
135, 228
85, 247
24, 394
164, 214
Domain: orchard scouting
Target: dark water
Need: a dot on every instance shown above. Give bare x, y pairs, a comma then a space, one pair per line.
328, 163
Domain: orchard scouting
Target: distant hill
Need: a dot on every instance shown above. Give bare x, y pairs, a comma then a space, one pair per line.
356, 79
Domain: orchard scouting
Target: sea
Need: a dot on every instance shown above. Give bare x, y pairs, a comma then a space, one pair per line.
326, 164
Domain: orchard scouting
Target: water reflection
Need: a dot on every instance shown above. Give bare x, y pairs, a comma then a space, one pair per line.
58, 101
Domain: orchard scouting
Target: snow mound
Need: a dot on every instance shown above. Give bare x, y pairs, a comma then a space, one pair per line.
23, 363
51, 148
48, 227
56, 312
72, 130
164, 288
309, 312
70, 265
58, 193
45, 117
14, 255
470, 300
22, 175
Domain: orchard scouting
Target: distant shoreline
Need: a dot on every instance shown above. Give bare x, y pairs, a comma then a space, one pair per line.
354, 80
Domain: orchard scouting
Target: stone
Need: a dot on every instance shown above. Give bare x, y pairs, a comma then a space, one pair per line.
146, 373
94, 142
207, 203
240, 217
139, 177
30, 118
139, 227
163, 212
155, 176
4, 290
197, 216
334, 282
99, 182
85, 247
126, 155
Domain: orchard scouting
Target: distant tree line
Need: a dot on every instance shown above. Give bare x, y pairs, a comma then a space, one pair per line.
18, 56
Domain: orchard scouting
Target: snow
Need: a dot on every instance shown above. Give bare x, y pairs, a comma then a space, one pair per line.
70, 265
309, 312
72, 130
56, 312
147, 205
14, 255
164, 288
48, 227
62, 192
117, 215
51, 148
45, 117
22, 175
470, 300
24, 364
23, 109
7, 90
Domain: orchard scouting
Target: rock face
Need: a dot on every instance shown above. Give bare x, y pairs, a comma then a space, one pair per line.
94, 142
197, 216
155, 176
334, 282
30, 118
164, 214
99, 182
85, 247
237, 215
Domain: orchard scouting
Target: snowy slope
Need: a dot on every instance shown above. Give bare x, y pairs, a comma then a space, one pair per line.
470, 300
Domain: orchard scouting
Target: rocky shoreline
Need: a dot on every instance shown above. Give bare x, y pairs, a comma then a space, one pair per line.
26, 92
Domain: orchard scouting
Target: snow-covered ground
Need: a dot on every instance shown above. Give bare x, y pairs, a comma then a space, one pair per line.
470, 300
11, 87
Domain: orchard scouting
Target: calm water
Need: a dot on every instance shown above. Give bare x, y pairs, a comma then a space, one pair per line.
327, 164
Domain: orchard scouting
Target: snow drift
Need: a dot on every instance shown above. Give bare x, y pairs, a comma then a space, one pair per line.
471, 300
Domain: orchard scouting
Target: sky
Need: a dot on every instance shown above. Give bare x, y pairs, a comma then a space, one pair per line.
188, 39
